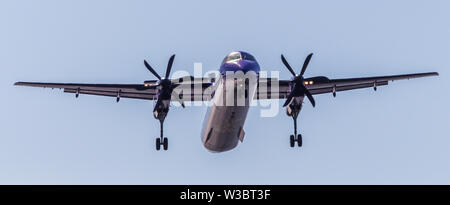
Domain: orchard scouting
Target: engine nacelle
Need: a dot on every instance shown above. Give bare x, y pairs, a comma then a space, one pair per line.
288, 111
293, 108
161, 109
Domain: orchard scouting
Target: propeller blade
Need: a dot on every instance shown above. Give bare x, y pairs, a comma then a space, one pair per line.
310, 97
169, 66
287, 65
305, 64
288, 100
182, 104
151, 70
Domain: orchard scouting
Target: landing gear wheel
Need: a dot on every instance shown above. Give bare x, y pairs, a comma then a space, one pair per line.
158, 143
299, 140
292, 140
165, 143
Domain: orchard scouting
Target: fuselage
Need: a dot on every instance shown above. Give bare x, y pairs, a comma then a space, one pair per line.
223, 125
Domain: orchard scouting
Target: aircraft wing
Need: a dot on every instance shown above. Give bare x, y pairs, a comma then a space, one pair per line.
320, 85
145, 91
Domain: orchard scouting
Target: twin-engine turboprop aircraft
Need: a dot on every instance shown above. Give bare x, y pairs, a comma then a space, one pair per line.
224, 122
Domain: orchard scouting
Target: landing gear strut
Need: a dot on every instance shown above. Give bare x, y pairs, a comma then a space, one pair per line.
295, 138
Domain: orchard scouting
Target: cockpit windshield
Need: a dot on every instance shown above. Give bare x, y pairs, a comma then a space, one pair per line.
238, 56
234, 56
247, 56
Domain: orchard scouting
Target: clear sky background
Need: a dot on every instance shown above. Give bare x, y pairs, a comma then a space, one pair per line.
397, 135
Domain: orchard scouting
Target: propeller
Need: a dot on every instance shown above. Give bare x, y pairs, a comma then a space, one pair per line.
151, 70
299, 88
165, 84
169, 68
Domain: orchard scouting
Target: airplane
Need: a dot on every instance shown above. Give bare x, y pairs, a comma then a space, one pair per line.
223, 124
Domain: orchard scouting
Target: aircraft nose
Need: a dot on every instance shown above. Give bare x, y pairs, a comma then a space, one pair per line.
240, 65
249, 66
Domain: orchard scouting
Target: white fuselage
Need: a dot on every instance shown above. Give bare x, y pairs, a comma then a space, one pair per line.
225, 118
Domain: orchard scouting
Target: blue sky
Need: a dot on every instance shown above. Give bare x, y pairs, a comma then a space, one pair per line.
397, 135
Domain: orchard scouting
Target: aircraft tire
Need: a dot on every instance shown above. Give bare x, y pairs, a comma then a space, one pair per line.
299, 140
158, 144
166, 143
292, 141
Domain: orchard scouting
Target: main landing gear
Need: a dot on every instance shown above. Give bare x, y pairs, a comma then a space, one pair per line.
162, 140
293, 111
